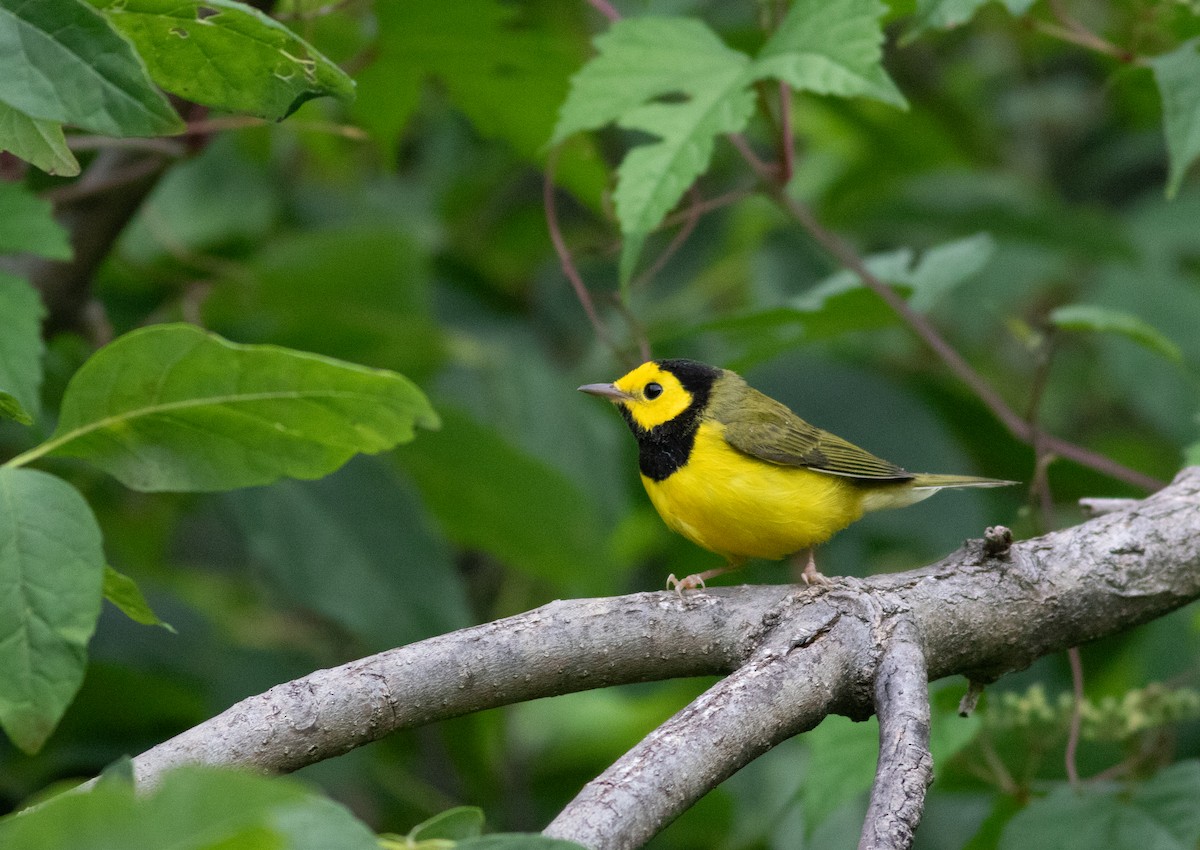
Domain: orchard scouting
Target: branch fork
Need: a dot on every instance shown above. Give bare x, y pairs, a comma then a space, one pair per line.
790, 656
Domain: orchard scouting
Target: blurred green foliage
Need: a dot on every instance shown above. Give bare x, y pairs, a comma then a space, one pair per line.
1020, 203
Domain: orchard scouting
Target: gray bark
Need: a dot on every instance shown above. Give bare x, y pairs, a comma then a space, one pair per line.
792, 655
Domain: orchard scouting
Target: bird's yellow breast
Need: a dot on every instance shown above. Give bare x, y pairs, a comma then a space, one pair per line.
739, 506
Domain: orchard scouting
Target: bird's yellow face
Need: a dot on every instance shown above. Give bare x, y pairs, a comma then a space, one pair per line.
650, 394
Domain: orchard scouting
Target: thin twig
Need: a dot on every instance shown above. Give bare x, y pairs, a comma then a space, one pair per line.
1000, 772
564, 254
606, 9
636, 328
701, 207
920, 325
1071, 30
81, 189
166, 147
689, 225
787, 143
1076, 715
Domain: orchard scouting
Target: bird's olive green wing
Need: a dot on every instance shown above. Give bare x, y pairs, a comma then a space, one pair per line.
760, 426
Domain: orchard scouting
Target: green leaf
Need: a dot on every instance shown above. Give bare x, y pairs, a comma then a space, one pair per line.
227, 55
987, 837
21, 349
943, 267
1160, 812
27, 224
831, 47
505, 65
1178, 76
674, 79
171, 407
217, 201
122, 591
62, 62
194, 809
118, 772
453, 824
938, 271
1097, 319
39, 142
380, 314
51, 571
1191, 455
840, 303
489, 495
395, 581
946, 14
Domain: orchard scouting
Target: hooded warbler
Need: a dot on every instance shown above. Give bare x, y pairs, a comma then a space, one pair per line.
740, 474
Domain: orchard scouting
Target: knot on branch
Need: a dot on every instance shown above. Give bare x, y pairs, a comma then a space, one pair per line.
997, 540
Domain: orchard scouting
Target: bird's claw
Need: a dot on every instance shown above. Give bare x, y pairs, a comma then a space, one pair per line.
691, 582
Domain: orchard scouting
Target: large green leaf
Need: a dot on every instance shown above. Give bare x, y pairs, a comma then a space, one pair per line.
1097, 319
60, 61
1178, 77
489, 495
674, 79
27, 224
171, 407
21, 349
37, 141
831, 47
379, 314
358, 547
194, 809
227, 55
1159, 813
51, 571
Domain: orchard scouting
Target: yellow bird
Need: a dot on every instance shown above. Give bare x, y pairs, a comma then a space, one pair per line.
740, 474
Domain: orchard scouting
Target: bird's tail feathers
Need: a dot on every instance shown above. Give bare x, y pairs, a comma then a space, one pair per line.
927, 481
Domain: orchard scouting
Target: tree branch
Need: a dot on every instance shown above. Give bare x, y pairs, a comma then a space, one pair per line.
794, 655
788, 686
905, 763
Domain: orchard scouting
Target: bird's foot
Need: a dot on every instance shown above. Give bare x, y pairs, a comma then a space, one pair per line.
691, 582
812, 575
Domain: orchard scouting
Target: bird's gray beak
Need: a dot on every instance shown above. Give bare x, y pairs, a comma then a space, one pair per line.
608, 391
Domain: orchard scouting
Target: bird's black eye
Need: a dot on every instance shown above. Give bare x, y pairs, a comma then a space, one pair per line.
653, 391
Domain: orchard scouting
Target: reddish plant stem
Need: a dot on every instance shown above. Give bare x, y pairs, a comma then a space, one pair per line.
692, 218
786, 140
564, 254
701, 207
1070, 30
606, 9
1076, 715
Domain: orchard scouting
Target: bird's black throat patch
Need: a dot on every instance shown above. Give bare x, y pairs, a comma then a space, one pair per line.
665, 448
